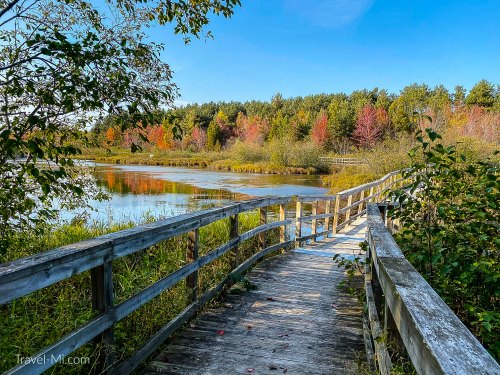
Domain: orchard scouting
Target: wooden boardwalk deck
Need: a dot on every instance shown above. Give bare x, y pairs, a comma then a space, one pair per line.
295, 322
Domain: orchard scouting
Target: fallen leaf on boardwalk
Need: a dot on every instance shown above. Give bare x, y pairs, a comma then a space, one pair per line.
283, 335
251, 369
220, 332
274, 350
273, 367
249, 327
286, 346
270, 299
285, 370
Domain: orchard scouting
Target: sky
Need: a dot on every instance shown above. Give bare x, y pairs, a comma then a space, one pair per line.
302, 47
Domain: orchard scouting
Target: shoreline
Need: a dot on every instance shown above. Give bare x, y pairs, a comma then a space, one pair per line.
226, 165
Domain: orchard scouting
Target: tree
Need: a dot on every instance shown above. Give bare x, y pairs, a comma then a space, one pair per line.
482, 94
341, 117
65, 63
213, 136
368, 130
319, 132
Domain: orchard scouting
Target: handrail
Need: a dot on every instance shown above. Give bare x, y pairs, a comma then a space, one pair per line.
414, 316
21, 277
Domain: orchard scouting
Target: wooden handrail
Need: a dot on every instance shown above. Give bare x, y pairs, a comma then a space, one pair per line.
23, 276
435, 339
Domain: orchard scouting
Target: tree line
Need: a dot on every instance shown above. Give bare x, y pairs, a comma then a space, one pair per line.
334, 122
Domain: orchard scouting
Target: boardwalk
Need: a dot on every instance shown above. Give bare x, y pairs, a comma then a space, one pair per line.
296, 321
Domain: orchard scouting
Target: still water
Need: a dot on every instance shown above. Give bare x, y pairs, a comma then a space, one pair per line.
137, 190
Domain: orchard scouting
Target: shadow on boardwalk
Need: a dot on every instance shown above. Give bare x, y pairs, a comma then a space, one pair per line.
295, 322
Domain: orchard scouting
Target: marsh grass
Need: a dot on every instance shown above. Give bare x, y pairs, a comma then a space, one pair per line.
30, 323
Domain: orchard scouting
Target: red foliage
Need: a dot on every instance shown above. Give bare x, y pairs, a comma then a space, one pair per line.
198, 138
319, 132
251, 129
368, 130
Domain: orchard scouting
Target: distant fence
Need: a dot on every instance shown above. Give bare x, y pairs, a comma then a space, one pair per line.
341, 161
24, 276
415, 319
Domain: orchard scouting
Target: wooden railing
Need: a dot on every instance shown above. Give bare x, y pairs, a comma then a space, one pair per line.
415, 319
341, 161
24, 276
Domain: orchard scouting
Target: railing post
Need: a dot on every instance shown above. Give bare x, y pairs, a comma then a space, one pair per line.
263, 220
314, 224
360, 207
372, 198
102, 300
348, 212
328, 209
336, 214
298, 223
233, 233
283, 227
192, 255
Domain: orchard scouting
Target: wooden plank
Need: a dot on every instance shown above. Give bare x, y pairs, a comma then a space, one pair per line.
348, 211
102, 300
361, 201
336, 215
191, 256
381, 353
233, 234
328, 214
298, 223
262, 220
314, 212
282, 218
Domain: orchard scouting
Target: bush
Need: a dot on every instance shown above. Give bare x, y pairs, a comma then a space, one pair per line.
450, 232
347, 178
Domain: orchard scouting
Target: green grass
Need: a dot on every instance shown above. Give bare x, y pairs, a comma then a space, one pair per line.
43, 317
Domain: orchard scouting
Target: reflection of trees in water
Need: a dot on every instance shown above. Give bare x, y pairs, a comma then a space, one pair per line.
143, 183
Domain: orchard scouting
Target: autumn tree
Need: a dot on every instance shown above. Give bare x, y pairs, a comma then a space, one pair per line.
319, 132
368, 130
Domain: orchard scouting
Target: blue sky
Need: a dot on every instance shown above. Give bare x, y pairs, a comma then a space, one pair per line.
301, 47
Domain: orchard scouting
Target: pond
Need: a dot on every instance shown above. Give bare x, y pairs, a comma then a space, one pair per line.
137, 191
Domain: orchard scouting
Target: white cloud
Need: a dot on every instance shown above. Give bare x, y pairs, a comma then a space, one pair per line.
329, 13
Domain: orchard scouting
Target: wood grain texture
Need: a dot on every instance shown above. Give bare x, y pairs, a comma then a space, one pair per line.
296, 321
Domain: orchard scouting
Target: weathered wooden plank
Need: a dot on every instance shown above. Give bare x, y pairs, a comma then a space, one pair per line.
191, 256
314, 224
282, 218
298, 223
263, 221
102, 300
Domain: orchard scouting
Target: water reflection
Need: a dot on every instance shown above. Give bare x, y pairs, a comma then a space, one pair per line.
168, 191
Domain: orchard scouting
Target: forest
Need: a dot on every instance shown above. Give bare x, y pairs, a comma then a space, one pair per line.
324, 123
